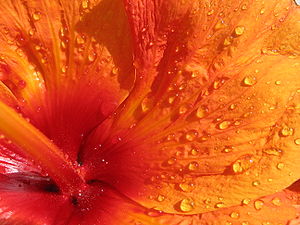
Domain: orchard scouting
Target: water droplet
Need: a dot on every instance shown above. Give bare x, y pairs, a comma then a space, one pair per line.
276, 201
92, 56
80, 40
255, 183
258, 204
242, 164
220, 205
191, 135
277, 82
297, 2
187, 187
36, 16
64, 69
201, 112
286, 131
227, 149
219, 25
224, 125
219, 82
194, 152
192, 166
183, 109
246, 201
115, 71
146, 104
186, 205
235, 215
232, 106
239, 30
297, 141
153, 213
227, 42
266, 223
273, 151
249, 81
171, 100
210, 12
63, 45
37, 47
160, 198
245, 223
280, 166
85, 4
171, 161
31, 32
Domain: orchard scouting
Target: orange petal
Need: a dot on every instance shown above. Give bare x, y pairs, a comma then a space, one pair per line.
172, 37
274, 209
67, 74
207, 134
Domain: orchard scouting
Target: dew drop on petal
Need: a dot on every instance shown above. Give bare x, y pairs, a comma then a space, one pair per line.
262, 11
187, 187
171, 100
85, 4
258, 204
249, 81
224, 125
276, 201
183, 109
92, 56
80, 40
191, 135
297, 141
273, 151
239, 30
280, 166
235, 215
255, 183
153, 213
36, 16
210, 12
286, 131
227, 149
115, 71
186, 205
297, 2
219, 205
146, 104
277, 82
242, 164
201, 112
192, 166
232, 106
171, 161
194, 152
220, 25
246, 201
160, 198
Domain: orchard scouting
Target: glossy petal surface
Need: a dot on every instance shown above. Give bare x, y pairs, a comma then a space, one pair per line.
215, 120
165, 112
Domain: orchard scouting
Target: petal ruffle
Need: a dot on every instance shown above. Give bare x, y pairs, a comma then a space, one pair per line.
212, 131
67, 76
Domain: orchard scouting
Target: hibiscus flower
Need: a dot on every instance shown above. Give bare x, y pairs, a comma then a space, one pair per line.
149, 112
